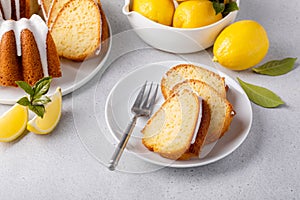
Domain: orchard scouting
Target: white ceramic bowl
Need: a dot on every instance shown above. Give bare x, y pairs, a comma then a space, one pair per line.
176, 40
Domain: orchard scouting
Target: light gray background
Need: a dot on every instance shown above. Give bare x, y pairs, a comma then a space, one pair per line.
265, 166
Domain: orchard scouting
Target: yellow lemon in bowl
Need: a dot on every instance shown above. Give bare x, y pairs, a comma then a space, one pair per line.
179, 1
194, 14
160, 11
241, 45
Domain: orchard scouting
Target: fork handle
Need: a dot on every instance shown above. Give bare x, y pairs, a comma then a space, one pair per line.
122, 144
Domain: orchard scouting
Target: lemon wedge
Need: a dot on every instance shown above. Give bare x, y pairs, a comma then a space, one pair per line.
13, 123
51, 117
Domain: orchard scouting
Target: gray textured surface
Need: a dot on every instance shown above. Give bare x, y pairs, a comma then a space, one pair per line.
265, 166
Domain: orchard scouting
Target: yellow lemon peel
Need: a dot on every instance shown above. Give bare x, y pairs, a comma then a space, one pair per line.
194, 14
13, 123
160, 11
241, 45
51, 118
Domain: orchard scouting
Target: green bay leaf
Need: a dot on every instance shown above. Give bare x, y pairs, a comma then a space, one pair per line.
218, 7
260, 95
276, 67
230, 7
224, 7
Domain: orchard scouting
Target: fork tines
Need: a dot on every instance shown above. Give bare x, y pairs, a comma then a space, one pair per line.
146, 102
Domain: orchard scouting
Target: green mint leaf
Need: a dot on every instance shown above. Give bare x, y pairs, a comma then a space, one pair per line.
261, 96
230, 7
41, 87
24, 101
219, 7
36, 101
39, 110
26, 87
41, 101
276, 67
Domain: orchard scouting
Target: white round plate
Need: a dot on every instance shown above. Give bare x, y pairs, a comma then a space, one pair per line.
123, 94
74, 75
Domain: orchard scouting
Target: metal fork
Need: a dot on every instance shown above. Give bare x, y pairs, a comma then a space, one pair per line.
142, 107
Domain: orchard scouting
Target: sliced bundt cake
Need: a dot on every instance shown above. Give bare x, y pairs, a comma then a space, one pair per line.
78, 27
27, 51
173, 128
221, 110
183, 72
17, 9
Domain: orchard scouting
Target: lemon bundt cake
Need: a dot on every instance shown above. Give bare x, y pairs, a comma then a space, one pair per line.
182, 72
83, 21
220, 108
174, 127
27, 51
17, 9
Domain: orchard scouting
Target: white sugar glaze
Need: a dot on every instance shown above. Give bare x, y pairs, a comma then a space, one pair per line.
7, 9
198, 121
39, 30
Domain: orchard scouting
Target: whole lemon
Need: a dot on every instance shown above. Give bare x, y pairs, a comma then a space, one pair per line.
194, 14
241, 45
160, 11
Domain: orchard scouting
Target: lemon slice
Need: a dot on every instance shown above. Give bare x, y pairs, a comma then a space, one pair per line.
51, 117
13, 123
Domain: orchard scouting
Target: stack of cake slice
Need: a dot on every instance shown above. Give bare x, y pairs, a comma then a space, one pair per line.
172, 131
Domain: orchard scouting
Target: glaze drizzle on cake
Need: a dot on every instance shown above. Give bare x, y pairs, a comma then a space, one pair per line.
17, 9
32, 49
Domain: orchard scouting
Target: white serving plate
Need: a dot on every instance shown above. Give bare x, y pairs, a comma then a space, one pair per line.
123, 94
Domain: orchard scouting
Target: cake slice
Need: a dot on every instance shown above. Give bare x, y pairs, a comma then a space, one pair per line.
56, 7
51, 8
220, 108
183, 72
77, 29
196, 146
171, 129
